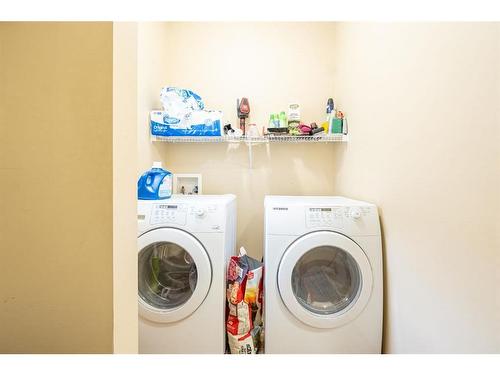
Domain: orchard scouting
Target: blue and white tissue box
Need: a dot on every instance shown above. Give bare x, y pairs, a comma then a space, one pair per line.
196, 123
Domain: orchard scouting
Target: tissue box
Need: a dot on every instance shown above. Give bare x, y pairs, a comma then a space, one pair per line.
197, 123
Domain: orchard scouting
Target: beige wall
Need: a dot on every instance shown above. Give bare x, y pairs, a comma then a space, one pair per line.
56, 188
423, 104
124, 188
151, 72
272, 64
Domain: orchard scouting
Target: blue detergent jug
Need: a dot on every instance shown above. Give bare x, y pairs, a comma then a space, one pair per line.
155, 183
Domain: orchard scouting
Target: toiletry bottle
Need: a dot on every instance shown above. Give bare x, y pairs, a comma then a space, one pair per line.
271, 121
329, 107
336, 123
343, 122
283, 120
293, 115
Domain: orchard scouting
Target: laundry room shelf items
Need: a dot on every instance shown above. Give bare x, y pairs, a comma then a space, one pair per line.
329, 138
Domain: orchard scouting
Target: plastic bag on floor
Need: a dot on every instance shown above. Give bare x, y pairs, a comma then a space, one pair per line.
244, 297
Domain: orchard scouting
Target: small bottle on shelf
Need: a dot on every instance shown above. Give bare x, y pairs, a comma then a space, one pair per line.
283, 120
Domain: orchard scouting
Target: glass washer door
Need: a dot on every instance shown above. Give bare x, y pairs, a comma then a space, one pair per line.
174, 274
325, 279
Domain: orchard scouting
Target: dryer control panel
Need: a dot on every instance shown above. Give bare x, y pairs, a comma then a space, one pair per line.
295, 219
335, 216
324, 217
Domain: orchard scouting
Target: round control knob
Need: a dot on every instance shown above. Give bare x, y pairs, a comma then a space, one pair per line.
355, 213
200, 212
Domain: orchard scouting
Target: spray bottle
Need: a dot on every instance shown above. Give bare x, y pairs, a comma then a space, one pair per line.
329, 115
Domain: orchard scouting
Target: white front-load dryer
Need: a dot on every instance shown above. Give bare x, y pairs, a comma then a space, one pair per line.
184, 245
323, 280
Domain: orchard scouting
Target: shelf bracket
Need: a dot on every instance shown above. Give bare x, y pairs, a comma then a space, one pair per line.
250, 155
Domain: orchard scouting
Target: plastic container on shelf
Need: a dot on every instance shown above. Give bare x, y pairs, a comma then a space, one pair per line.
184, 115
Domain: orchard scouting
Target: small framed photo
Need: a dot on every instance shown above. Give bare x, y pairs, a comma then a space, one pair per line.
187, 184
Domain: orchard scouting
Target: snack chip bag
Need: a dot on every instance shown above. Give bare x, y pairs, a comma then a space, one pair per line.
248, 343
244, 298
241, 344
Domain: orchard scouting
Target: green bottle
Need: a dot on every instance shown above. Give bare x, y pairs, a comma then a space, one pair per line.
283, 120
271, 121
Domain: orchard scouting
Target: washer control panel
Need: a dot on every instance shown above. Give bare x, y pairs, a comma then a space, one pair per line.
197, 217
324, 217
164, 213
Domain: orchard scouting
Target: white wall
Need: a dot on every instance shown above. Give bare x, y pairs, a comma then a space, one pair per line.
423, 104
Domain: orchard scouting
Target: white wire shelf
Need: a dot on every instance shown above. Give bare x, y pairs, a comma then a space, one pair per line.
325, 138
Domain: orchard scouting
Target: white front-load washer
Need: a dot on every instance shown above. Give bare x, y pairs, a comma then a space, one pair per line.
323, 280
184, 245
